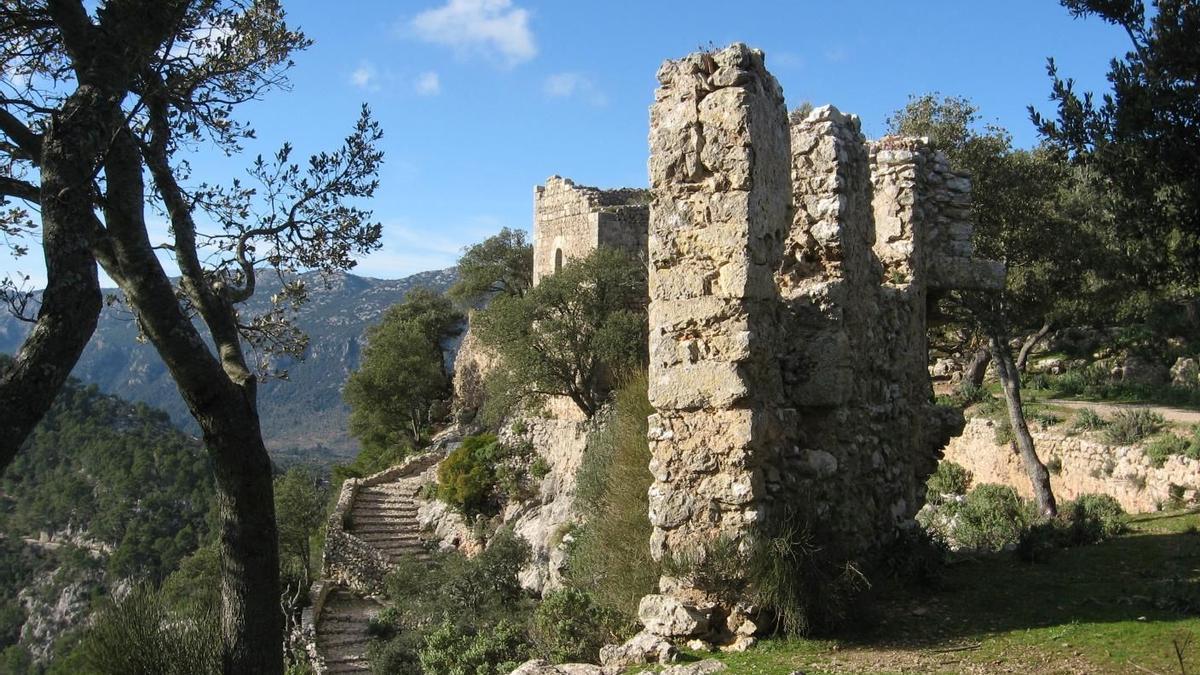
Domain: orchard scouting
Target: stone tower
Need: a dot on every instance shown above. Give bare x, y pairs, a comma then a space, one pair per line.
570, 221
790, 268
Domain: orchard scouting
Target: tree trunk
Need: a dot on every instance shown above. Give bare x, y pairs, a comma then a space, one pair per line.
221, 396
976, 369
71, 302
1010, 381
1031, 342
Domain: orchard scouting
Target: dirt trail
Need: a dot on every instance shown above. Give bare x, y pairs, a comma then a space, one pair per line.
1174, 415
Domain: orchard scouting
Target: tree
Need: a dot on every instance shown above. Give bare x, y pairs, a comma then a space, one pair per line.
300, 512
569, 334
1022, 219
103, 101
499, 264
402, 373
1140, 143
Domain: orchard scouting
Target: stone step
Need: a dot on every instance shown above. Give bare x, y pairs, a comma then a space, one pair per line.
386, 536
385, 514
340, 640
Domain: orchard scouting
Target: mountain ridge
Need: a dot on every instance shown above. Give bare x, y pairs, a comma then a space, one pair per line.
303, 417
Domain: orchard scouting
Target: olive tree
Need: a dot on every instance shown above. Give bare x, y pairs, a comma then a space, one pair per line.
102, 105
571, 333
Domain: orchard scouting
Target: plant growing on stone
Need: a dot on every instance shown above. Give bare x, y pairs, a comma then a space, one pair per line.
610, 559
991, 518
571, 333
481, 472
568, 626
1088, 420
1130, 426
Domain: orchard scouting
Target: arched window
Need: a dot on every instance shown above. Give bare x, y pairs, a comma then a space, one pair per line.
557, 260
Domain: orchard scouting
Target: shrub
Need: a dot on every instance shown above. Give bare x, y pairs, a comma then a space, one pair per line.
949, 479
1087, 420
916, 557
568, 626
1131, 426
1094, 518
1054, 465
452, 650
991, 518
609, 556
540, 468
1163, 446
140, 635
467, 477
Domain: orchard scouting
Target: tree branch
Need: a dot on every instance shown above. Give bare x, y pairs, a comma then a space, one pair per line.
11, 187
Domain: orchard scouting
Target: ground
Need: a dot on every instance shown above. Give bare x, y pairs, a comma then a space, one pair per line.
1122, 606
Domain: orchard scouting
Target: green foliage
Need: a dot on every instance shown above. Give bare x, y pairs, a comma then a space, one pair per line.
371, 460
540, 468
452, 650
569, 626
472, 595
479, 473
568, 335
140, 635
403, 374
1167, 444
610, 559
992, 518
299, 514
1139, 143
1130, 426
948, 479
197, 581
502, 263
1094, 518
800, 580
1088, 420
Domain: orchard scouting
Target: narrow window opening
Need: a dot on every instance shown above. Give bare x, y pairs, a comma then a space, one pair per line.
557, 260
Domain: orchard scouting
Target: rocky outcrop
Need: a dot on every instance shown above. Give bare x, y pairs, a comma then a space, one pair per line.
1081, 465
790, 269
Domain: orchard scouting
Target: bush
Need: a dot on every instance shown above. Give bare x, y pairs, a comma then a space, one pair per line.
451, 650
568, 626
1130, 426
992, 518
139, 635
1094, 518
949, 479
1162, 447
1087, 420
1054, 465
467, 477
609, 556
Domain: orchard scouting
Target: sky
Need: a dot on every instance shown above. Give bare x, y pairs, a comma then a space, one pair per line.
481, 100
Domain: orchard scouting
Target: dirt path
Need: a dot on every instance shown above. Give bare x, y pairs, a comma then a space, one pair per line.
1175, 415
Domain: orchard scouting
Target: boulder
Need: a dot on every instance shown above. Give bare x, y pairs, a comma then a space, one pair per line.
700, 668
668, 616
640, 649
1186, 372
542, 667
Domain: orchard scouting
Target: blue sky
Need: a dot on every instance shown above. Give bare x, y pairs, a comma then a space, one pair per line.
481, 100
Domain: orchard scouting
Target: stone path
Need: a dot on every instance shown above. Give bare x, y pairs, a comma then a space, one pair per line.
385, 517
1175, 415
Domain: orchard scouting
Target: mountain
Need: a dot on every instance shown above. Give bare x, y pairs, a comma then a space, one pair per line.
303, 417
102, 492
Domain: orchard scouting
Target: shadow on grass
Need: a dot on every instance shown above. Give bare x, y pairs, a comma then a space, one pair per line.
1141, 577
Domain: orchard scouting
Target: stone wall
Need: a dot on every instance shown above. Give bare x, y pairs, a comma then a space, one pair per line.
569, 221
790, 269
1087, 466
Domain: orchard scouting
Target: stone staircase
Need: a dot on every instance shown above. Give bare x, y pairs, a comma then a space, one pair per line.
385, 517
372, 528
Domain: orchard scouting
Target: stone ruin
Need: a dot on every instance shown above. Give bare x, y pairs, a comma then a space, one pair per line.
791, 265
570, 220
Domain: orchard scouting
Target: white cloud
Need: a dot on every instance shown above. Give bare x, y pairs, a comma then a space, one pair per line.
365, 77
495, 29
428, 84
573, 85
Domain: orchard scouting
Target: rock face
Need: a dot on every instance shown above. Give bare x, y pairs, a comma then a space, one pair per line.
789, 273
1085, 466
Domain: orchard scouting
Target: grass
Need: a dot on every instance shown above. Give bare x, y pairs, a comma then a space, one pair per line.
1113, 607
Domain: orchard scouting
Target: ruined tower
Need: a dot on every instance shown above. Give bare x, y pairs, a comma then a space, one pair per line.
790, 268
570, 221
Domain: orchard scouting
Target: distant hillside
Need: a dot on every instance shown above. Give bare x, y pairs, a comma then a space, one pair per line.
103, 491
303, 417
